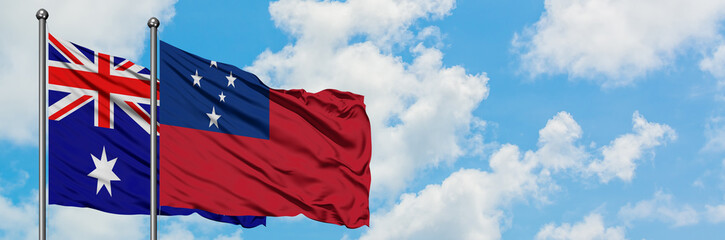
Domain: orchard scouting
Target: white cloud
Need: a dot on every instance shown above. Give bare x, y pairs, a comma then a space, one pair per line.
715, 64
196, 227
117, 28
418, 110
237, 235
557, 148
470, 203
592, 227
620, 155
19, 219
715, 135
616, 39
86, 223
465, 206
662, 208
715, 214
332, 23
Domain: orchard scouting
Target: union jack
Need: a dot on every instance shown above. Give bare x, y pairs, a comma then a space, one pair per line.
107, 81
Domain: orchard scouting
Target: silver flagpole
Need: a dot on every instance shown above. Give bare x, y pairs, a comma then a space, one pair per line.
154, 25
42, 16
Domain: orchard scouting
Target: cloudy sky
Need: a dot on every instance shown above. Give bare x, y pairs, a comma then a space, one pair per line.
529, 119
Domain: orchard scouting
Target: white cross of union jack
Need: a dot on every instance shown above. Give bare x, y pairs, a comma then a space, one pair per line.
106, 80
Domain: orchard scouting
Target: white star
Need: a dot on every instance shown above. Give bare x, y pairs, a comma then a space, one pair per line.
231, 79
213, 117
221, 98
213, 63
103, 172
197, 78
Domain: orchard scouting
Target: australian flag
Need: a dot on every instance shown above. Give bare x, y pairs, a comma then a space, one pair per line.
99, 134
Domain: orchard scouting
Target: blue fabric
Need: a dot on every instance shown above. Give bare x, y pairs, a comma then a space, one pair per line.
55, 55
245, 110
90, 54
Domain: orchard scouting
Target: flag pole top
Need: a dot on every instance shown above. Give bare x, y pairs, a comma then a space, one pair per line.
153, 22
43, 14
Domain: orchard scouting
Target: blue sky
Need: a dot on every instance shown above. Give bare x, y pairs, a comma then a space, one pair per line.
578, 119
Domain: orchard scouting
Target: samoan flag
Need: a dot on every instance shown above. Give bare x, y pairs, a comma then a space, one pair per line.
231, 145
99, 134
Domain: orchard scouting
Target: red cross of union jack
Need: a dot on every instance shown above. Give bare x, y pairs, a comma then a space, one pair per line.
105, 80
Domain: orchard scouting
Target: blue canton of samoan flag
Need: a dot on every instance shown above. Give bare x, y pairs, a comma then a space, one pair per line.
99, 134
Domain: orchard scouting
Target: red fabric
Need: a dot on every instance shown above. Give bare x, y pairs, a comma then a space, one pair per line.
316, 162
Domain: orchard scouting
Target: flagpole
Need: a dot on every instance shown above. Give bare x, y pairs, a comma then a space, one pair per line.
153, 24
42, 16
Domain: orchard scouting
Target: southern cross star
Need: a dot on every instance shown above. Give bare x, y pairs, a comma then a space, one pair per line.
197, 78
222, 97
230, 80
213, 117
103, 172
213, 63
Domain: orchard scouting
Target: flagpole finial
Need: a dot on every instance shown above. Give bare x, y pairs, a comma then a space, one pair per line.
42, 14
153, 22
